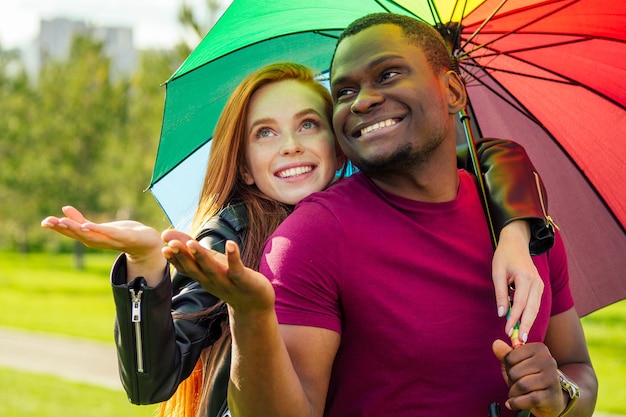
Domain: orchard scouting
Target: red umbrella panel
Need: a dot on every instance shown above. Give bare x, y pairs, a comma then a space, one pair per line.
551, 75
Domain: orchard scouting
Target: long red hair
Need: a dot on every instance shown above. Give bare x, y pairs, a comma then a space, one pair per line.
223, 185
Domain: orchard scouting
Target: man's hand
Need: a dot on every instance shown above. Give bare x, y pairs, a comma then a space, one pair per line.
530, 372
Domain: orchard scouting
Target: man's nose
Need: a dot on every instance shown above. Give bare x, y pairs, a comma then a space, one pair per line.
367, 98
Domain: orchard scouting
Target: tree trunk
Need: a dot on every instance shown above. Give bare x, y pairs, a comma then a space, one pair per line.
79, 255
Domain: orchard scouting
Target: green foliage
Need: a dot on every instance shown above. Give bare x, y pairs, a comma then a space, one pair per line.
80, 135
16, 106
77, 135
24, 394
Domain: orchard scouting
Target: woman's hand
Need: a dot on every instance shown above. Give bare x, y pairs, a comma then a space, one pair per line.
141, 244
513, 265
224, 276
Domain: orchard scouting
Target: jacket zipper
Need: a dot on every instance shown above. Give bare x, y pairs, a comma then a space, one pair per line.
549, 221
136, 318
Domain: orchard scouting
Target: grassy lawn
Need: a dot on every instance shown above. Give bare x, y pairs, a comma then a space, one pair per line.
23, 394
44, 292
605, 330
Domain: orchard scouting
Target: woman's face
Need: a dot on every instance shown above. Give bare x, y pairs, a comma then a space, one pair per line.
290, 145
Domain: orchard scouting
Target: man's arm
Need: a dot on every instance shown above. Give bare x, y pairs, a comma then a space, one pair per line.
567, 343
279, 370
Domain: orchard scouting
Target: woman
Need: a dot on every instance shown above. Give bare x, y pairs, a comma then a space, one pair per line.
272, 146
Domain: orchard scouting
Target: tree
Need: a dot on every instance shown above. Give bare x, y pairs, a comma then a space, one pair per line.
18, 116
135, 150
188, 19
78, 136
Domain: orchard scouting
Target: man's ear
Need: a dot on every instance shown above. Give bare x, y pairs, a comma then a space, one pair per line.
457, 96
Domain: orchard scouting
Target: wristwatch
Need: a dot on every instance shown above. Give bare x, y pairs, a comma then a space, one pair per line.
571, 389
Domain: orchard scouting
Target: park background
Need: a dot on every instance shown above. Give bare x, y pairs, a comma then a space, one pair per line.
78, 133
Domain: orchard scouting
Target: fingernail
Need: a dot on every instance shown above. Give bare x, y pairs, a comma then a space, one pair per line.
500, 311
525, 337
511, 331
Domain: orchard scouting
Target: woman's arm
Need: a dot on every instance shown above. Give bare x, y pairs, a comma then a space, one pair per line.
514, 189
517, 206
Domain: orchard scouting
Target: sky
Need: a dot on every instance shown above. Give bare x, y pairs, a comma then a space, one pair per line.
154, 22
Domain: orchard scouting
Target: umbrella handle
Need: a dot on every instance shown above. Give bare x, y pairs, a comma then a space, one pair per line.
494, 411
465, 120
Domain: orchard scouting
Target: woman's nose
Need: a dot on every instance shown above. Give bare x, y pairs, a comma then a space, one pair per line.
291, 144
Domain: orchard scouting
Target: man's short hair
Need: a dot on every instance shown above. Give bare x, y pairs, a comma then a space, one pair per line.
421, 34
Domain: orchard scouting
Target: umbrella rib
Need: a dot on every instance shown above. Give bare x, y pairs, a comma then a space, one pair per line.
484, 23
434, 12
465, 53
495, 52
507, 99
410, 12
383, 6
449, 18
521, 74
328, 35
563, 79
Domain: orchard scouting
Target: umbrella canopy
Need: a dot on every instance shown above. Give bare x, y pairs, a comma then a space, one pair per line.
547, 74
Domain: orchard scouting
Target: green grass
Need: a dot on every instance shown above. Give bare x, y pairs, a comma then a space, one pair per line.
44, 292
605, 331
23, 394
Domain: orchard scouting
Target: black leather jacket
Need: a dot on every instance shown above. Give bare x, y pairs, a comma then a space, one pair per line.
157, 352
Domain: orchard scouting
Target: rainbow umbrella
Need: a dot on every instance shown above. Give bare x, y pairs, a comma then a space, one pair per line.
548, 74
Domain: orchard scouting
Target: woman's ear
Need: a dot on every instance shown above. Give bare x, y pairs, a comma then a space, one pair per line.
341, 157
457, 96
247, 177
341, 160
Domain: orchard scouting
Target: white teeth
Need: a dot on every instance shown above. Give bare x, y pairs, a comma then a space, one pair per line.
376, 126
294, 172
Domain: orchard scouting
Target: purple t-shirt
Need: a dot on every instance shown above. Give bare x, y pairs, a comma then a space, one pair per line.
408, 286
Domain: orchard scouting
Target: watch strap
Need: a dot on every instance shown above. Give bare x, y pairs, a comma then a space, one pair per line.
571, 389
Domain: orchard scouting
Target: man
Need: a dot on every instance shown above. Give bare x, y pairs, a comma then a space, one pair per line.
385, 310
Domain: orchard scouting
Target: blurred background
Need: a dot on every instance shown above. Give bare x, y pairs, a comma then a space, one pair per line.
81, 102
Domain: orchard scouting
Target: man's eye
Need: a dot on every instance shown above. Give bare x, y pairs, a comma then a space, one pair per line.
389, 74
344, 92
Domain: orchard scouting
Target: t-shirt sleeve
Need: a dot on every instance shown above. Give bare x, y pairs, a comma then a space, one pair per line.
301, 259
562, 299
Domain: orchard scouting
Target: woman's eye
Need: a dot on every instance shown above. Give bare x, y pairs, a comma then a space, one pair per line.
263, 133
310, 124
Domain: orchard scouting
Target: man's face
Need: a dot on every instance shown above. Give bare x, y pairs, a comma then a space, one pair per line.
390, 108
